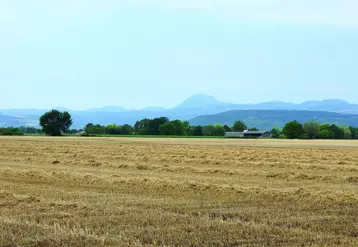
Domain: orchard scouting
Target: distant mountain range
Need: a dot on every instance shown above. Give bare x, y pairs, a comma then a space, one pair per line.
268, 119
197, 105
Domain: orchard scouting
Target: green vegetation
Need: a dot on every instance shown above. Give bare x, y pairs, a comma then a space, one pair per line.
31, 130
55, 123
239, 126
213, 130
156, 127
276, 132
311, 129
153, 136
111, 129
10, 132
315, 130
293, 130
163, 127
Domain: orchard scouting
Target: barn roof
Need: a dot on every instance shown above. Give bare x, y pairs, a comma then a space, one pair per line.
249, 132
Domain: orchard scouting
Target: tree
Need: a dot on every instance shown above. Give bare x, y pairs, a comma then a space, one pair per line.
11, 132
254, 129
239, 126
187, 127
324, 134
227, 128
112, 129
213, 130
180, 128
142, 127
209, 130
196, 130
73, 131
154, 124
97, 129
354, 132
276, 132
167, 129
89, 125
219, 130
126, 130
335, 132
347, 133
312, 129
54, 122
293, 130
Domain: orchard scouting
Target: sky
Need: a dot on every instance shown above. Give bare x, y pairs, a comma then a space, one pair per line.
82, 54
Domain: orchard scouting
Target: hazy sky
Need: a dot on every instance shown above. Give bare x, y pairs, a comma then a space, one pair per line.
137, 53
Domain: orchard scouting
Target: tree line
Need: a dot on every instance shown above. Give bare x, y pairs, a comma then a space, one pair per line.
10, 132
55, 123
315, 130
156, 126
163, 126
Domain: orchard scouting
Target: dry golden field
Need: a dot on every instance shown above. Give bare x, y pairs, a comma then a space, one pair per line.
177, 192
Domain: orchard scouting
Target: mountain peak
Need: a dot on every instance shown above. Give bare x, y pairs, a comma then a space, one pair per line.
200, 100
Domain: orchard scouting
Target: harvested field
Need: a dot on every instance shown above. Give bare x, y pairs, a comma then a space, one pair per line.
177, 192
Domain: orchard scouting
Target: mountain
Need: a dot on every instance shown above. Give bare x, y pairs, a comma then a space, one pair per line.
154, 109
23, 112
200, 101
108, 109
268, 119
196, 105
334, 105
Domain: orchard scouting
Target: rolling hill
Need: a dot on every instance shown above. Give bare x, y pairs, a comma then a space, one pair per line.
11, 121
268, 119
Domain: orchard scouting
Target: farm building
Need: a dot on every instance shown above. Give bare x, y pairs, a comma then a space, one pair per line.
248, 133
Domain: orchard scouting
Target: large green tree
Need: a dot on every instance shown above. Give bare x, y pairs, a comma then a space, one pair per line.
239, 126
55, 123
293, 130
